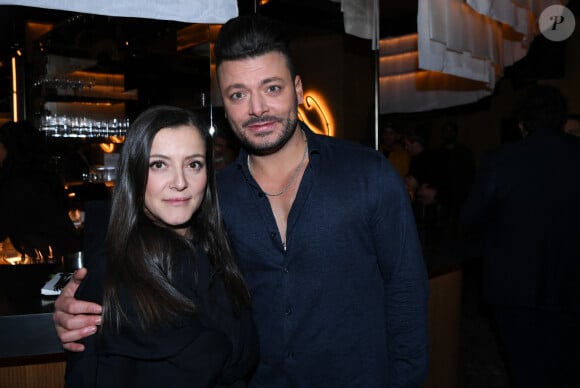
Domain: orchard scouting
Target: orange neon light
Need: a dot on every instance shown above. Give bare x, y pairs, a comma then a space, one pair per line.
107, 147
14, 91
315, 113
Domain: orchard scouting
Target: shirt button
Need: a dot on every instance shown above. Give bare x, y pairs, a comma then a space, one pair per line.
286, 270
289, 310
273, 234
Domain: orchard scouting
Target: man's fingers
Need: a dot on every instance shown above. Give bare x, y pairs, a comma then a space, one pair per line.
64, 321
70, 336
73, 284
75, 319
71, 306
74, 347
77, 328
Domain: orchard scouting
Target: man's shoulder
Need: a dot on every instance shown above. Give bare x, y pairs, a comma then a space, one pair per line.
538, 143
354, 161
349, 149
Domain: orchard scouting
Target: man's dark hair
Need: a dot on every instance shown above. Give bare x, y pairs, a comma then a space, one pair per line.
250, 36
393, 126
541, 107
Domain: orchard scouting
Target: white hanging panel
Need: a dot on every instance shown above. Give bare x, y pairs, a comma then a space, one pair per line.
188, 11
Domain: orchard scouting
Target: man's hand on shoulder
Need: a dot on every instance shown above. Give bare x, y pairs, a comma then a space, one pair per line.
75, 319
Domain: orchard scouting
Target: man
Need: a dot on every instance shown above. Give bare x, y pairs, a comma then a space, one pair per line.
525, 197
391, 146
323, 230
423, 177
457, 165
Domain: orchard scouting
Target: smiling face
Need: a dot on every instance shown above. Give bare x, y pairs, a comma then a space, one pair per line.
261, 100
177, 176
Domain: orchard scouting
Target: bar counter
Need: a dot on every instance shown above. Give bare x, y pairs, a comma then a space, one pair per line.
24, 313
31, 355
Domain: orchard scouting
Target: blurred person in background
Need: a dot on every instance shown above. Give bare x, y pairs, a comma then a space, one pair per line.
525, 201
33, 203
391, 145
225, 148
226, 145
424, 169
457, 164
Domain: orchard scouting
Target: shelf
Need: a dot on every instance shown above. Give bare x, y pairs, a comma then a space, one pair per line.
95, 97
79, 139
72, 82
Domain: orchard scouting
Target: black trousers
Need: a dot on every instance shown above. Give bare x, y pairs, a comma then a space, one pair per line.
542, 347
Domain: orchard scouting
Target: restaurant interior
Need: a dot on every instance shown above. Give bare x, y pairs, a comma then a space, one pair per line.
81, 78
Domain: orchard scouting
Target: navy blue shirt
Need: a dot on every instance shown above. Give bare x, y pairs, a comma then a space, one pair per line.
345, 305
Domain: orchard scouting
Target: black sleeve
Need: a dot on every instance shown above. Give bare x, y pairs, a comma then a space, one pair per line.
81, 368
244, 356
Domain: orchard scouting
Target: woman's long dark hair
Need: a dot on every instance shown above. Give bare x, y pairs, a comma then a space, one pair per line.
141, 252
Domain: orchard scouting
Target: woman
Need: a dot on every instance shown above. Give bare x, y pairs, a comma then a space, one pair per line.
175, 306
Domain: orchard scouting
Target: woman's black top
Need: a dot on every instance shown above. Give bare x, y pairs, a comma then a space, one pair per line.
212, 348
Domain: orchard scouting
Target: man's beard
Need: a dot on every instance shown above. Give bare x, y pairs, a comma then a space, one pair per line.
289, 125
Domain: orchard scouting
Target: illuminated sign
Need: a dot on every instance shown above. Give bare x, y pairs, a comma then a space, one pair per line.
110, 147
315, 113
107, 147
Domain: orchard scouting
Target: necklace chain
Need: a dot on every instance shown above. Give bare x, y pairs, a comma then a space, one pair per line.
290, 181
